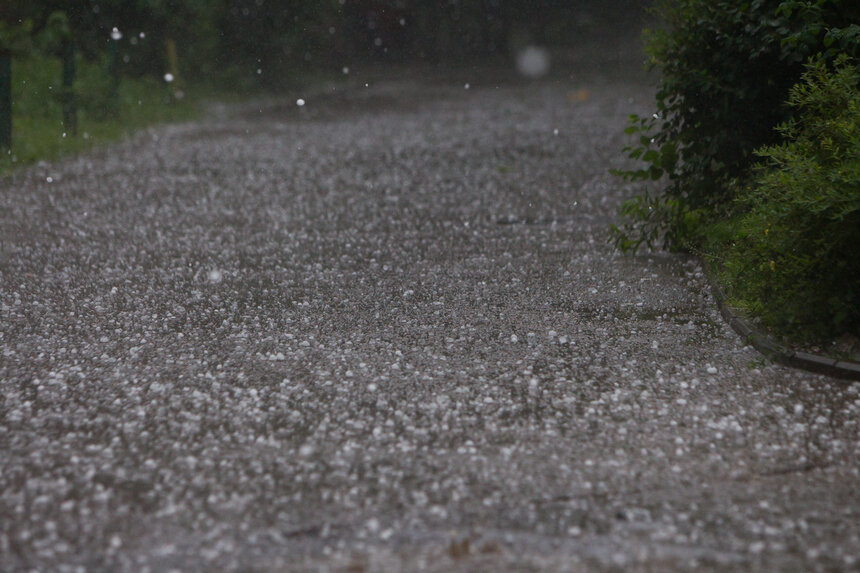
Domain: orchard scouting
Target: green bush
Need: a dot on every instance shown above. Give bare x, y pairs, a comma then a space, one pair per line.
793, 258
726, 70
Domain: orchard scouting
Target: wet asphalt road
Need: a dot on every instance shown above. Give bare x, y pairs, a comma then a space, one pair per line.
385, 332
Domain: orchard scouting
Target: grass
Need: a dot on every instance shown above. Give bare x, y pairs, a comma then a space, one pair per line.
105, 113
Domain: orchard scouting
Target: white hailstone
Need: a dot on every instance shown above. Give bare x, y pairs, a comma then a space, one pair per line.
533, 62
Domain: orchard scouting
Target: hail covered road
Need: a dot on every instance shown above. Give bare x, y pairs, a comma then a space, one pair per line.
384, 331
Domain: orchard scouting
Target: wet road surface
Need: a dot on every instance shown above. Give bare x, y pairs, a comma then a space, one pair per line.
384, 331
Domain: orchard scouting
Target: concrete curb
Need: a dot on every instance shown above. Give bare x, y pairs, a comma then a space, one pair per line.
836, 368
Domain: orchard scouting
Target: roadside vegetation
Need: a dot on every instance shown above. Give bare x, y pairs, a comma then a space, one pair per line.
104, 112
74, 80
751, 159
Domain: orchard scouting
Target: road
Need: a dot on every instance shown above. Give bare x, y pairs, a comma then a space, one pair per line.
384, 331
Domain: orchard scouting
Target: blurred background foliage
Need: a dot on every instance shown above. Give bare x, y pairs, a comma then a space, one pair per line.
235, 38
136, 62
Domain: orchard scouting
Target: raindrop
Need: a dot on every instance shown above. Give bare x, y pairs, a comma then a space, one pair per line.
467, 86
377, 42
142, 35
345, 70
115, 34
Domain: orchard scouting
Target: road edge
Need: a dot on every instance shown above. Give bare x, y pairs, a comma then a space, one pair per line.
818, 364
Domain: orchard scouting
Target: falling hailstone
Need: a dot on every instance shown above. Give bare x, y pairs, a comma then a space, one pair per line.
300, 102
533, 62
168, 78
215, 276
115, 34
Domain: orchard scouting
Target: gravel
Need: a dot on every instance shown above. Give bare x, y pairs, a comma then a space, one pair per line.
384, 331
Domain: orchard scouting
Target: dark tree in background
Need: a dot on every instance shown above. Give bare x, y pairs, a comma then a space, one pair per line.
272, 38
143, 25
471, 29
264, 40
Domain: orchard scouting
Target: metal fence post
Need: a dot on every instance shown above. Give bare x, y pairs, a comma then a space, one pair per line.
5, 99
70, 111
113, 71
172, 65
